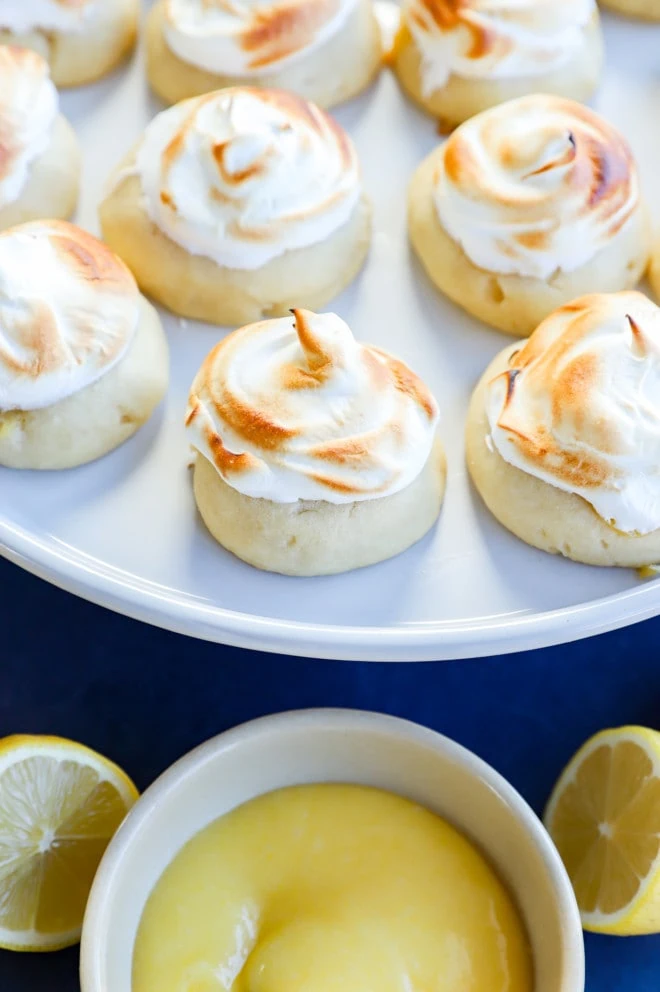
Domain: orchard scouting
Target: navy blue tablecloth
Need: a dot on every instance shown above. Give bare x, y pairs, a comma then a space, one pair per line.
143, 697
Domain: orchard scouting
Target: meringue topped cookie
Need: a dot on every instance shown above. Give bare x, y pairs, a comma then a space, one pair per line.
535, 187
459, 57
564, 432
39, 156
256, 194
81, 39
527, 205
243, 176
74, 334
324, 50
315, 453
579, 407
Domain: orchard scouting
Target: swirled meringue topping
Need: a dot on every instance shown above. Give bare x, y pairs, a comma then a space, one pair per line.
65, 16
68, 312
244, 175
579, 407
495, 39
28, 108
296, 408
246, 37
535, 186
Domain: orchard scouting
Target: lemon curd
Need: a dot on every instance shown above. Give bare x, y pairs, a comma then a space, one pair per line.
330, 888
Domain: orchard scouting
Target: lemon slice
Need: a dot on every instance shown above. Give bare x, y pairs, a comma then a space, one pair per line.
604, 817
60, 804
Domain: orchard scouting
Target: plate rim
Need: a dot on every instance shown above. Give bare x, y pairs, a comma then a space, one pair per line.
423, 641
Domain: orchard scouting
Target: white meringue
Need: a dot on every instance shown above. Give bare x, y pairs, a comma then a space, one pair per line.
296, 408
28, 110
495, 39
68, 311
243, 38
579, 407
244, 175
65, 16
534, 186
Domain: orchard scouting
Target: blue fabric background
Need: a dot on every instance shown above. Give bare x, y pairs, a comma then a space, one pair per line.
144, 697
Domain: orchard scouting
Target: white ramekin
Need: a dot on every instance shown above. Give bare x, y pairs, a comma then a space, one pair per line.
332, 746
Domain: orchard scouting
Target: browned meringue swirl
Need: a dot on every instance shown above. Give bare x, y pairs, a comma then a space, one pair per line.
296, 408
497, 39
535, 185
68, 312
244, 37
579, 406
244, 174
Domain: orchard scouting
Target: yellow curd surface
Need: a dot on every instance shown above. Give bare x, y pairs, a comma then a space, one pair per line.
330, 888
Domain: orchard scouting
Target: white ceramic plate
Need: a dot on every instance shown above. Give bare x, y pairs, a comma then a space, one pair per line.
123, 532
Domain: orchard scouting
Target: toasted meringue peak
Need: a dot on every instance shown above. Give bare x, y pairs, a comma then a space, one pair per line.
243, 38
244, 175
495, 39
535, 186
68, 311
579, 407
28, 109
296, 408
67, 16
